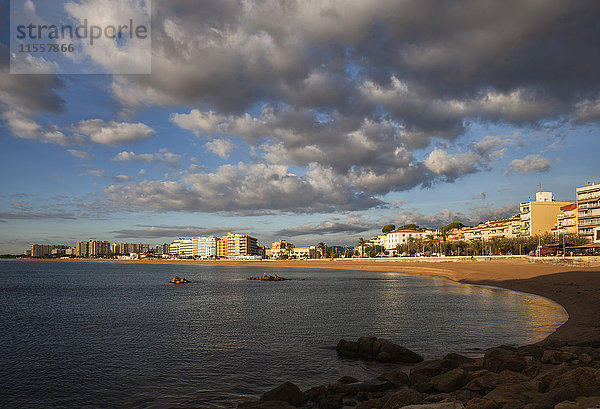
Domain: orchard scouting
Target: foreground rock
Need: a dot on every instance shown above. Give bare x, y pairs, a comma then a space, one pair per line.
381, 350
530, 377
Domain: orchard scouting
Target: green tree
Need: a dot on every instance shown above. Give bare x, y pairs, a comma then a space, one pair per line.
322, 249
388, 228
361, 244
410, 226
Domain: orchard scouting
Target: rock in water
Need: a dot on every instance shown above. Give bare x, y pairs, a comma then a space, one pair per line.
286, 392
382, 350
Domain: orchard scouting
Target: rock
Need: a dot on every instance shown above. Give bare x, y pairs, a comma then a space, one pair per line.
507, 376
365, 347
503, 357
431, 368
588, 402
333, 401
438, 397
534, 351
286, 392
439, 405
398, 354
397, 378
585, 358
567, 404
557, 357
459, 359
347, 379
316, 393
482, 403
450, 381
381, 350
549, 399
536, 386
581, 381
257, 404
508, 395
370, 404
347, 348
483, 382
402, 398
347, 401
420, 382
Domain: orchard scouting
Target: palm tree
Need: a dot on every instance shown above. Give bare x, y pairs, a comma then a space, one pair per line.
361, 243
322, 248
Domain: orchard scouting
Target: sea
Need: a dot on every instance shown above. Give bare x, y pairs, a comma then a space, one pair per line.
119, 335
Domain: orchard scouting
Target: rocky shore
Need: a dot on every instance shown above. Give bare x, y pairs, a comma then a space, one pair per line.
549, 376
561, 372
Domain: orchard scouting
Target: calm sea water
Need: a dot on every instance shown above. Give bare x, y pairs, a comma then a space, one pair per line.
119, 335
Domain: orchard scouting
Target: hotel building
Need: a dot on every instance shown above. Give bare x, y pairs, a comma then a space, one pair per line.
588, 209
539, 217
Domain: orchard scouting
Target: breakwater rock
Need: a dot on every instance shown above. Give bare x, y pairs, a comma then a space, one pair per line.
381, 350
529, 377
266, 277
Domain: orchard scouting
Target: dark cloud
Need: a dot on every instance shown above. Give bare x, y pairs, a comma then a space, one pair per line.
326, 227
33, 214
151, 232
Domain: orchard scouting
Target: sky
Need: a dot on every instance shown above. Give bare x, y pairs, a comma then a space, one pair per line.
303, 120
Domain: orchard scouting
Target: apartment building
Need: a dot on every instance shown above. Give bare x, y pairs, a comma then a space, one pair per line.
205, 247
280, 247
588, 209
393, 239
222, 247
305, 252
539, 217
566, 221
127, 248
92, 248
509, 228
241, 245
45, 250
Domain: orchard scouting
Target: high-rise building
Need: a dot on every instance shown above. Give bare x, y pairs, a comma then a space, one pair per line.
205, 247
82, 249
99, 248
183, 248
45, 250
241, 245
588, 209
162, 248
539, 217
222, 249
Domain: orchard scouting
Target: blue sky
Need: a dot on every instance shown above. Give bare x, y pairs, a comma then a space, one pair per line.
321, 122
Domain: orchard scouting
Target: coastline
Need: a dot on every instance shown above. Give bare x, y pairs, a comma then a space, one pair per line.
575, 288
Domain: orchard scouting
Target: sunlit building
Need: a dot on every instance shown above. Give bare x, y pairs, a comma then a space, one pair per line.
539, 217
205, 247
588, 209
508, 228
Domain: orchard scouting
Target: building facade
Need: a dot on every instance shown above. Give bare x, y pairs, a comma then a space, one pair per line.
241, 245
281, 247
45, 250
588, 209
205, 247
566, 221
539, 217
508, 228
398, 237
222, 249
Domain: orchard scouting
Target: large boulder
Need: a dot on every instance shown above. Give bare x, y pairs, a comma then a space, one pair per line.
581, 381
370, 404
397, 378
347, 349
482, 403
557, 357
450, 381
381, 350
286, 392
402, 398
500, 358
438, 405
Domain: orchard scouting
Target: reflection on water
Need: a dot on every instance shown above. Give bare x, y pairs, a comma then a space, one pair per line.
104, 334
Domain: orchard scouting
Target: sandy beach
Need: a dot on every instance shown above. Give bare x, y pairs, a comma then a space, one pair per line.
576, 288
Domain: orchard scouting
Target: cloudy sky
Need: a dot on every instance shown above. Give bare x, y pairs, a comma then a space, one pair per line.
304, 120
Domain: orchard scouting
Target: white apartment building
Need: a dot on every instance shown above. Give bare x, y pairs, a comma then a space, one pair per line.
394, 238
588, 209
205, 247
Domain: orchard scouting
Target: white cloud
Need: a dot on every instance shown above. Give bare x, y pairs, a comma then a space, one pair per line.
450, 166
27, 128
80, 154
530, 164
113, 133
163, 155
220, 147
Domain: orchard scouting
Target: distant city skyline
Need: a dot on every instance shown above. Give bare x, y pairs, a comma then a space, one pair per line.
319, 122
